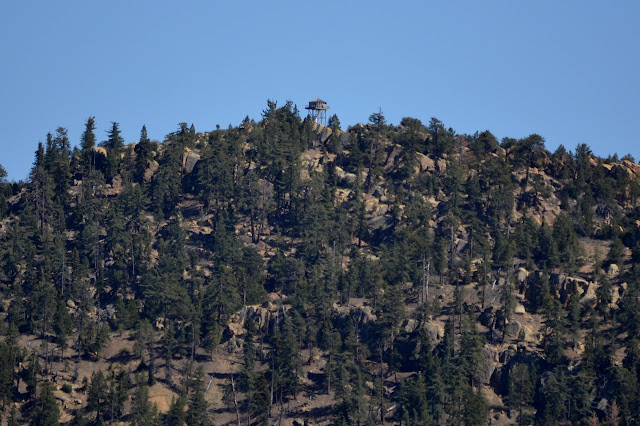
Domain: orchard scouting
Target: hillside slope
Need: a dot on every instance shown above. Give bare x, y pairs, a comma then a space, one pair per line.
281, 271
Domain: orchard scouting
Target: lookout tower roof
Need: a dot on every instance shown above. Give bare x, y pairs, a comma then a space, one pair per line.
317, 104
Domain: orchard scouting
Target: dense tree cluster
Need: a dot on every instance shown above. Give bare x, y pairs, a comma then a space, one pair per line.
395, 261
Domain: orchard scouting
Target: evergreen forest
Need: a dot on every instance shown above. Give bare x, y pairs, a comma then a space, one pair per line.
284, 272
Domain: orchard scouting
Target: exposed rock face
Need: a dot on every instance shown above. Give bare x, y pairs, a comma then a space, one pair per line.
631, 168
265, 318
566, 286
362, 314
410, 326
392, 161
434, 331
323, 133
115, 187
345, 176
425, 163
507, 354
589, 295
235, 329
312, 160
529, 335
613, 270
151, 170
344, 138
521, 274
486, 318
602, 405
512, 329
189, 160
616, 294
378, 222
100, 150
488, 365
191, 208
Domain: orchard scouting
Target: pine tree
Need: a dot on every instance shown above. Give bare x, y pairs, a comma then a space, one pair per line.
197, 414
62, 325
141, 409
286, 360
167, 181
471, 356
476, 408
8, 360
143, 155
256, 201
43, 305
165, 291
118, 385
391, 313
97, 395
114, 146
3, 191
87, 145
57, 162
508, 300
246, 382
46, 411
41, 191
613, 414
176, 416
31, 374
260, 406
554, 337
520, 391
350, 392
552, 398
567, 242
14, 417
216, 170
221, 296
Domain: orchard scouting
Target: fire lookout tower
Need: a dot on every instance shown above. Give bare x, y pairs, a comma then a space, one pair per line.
318, 111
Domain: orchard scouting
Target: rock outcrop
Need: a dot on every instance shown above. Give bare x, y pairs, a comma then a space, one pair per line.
189, 160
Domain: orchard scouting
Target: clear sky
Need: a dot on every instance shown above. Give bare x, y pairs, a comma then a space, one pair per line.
567, 70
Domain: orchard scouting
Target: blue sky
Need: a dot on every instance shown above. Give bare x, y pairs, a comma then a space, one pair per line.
567, 70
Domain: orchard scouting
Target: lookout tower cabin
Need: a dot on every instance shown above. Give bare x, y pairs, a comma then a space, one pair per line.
318, 111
